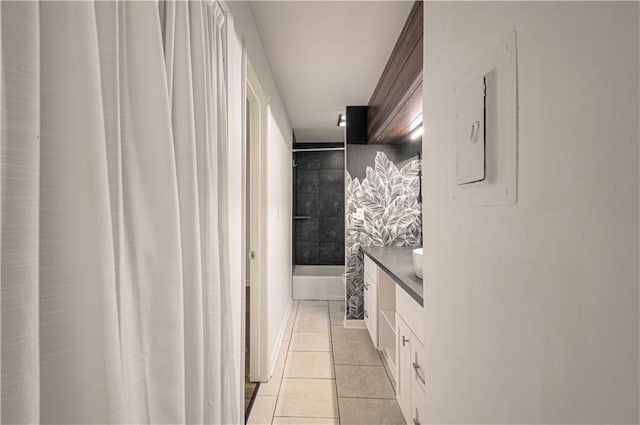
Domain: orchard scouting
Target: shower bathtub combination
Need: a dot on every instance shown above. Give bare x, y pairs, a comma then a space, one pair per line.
318, 282
318, 222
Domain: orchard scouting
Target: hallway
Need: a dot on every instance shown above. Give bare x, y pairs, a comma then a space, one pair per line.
325, 374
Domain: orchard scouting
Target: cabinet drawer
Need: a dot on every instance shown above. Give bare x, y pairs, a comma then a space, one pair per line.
371, 309
418, 406
411, 312
418, 372
404, 370
371, 269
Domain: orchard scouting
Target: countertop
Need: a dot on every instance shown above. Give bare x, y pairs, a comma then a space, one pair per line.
397, 262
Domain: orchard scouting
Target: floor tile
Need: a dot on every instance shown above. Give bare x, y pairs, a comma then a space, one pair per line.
282, 420
286, 336
262, 410
310, 341
336, 304
358, 411
270, 388
353, 347
273, 386
313, 314
312, 307
312, 325
294, 308
278, 370
309, 364
336, 312
363, 381
291, 322
282, 354
304, 383
336, 320
307, 398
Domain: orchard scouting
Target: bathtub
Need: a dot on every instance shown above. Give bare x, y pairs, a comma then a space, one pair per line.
318, 283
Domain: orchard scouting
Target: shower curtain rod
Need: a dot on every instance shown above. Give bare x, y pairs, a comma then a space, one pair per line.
317, 149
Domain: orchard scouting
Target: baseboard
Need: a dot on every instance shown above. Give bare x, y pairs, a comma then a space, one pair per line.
276, 349
354, 324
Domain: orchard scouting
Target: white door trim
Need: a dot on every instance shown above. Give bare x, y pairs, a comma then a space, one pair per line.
256, 175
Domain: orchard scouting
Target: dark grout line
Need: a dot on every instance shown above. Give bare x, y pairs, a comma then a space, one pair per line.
360, 365
307, 417
351, 364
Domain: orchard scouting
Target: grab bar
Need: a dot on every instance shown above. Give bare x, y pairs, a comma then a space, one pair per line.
301, 217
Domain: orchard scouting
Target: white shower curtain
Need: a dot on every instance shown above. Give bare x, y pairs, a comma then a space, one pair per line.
115, 296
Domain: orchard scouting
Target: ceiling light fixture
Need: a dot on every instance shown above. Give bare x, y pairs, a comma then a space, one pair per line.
342, 120
416, 122
417, 133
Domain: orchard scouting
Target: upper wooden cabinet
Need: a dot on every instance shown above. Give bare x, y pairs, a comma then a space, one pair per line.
397, 100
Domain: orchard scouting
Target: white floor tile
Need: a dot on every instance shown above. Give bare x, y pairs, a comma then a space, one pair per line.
262, 410
307, 398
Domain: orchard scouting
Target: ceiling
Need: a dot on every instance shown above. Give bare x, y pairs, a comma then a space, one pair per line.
326, 55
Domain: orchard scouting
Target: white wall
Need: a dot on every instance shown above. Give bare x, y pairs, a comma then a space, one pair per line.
279, 193
279, 215
247, 30
531, 311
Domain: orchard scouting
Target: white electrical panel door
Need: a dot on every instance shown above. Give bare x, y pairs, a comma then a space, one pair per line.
485, 165
470, 133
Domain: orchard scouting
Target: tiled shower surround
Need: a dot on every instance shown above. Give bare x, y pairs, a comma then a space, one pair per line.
319, 195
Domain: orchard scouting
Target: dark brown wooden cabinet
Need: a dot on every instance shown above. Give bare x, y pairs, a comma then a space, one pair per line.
397, 100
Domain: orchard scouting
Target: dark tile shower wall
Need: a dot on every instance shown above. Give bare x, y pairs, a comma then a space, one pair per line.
319, 194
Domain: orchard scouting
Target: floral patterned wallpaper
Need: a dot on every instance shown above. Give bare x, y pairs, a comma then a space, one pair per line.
390, 215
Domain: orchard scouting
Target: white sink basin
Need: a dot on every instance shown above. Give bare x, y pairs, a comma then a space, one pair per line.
417, 262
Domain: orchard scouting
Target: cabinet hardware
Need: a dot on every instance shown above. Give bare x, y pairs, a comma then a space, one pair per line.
416, 421
404, 340
416, 367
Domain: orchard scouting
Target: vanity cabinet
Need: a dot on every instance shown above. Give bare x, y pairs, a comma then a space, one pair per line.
410, 374
371, 299
394, 318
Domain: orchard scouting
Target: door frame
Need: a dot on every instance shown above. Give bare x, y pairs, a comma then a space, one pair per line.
255, 188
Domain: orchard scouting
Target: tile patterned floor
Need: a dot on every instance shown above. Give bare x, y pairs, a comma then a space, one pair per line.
325, 374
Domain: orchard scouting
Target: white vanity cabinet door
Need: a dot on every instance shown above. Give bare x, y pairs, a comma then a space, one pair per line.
371, 269
410, 365
371, 308
404, 371
371, 298
367, 302
418, 403
417, 364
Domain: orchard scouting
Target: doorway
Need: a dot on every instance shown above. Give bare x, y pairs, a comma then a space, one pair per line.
255, 298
